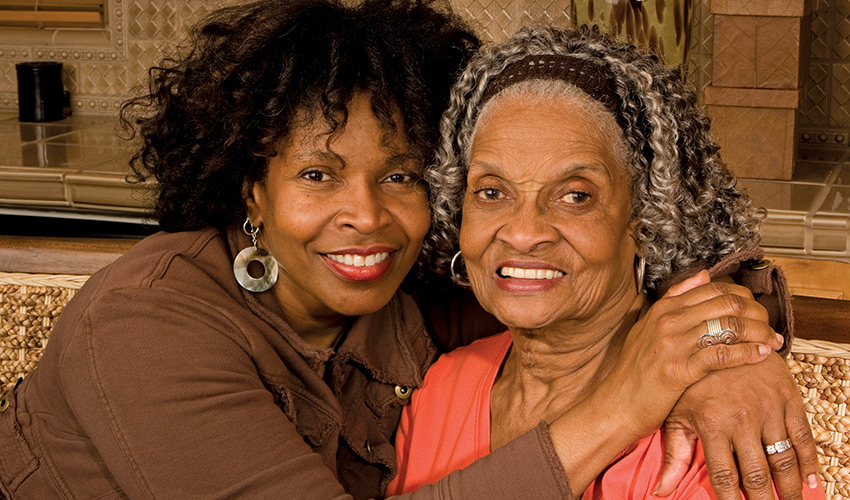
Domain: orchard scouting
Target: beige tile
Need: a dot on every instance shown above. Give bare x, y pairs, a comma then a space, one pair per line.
96, 137
761, 7
752, 98
843, 178
33, 132
831, 233
812, 171
755, 142
837, 201
91, 189
784, 196
734, 51
840, 103
32, 187
785, 230
778, 52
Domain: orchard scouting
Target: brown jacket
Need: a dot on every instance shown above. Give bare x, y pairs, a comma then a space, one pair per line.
164, 379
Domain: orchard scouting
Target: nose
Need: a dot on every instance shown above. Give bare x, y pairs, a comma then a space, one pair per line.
363, 208
527, 228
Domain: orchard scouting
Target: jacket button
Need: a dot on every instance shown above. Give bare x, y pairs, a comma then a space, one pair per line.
762, 264
403, 393
4, 404
368, 447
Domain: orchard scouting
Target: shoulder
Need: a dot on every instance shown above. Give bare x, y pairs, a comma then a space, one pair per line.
473, 358
170, 291
463, 370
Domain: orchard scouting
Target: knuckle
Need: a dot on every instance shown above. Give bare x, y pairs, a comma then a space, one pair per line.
724, 479
784, 465
756, 480
721, 356
733, 304
735, 323
801, 436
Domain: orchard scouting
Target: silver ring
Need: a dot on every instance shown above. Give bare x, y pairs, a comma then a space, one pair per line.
716, 335
778, 447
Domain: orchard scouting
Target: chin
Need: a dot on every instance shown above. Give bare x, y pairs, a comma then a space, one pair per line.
361, 307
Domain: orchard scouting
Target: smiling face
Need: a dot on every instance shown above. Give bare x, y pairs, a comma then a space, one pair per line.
345, 224
545, 232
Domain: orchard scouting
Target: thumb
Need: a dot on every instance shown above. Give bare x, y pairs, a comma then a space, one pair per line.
699, 279
678, 455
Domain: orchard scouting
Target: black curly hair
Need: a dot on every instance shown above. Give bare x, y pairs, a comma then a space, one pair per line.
212, 118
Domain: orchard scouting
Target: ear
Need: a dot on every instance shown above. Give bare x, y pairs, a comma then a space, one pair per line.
254, 198
631, 232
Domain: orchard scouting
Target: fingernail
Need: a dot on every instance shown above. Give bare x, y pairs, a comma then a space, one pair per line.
763, 349
780, 339
812, 481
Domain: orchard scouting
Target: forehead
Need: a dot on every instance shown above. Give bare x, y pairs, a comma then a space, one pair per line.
567, 126
312, 130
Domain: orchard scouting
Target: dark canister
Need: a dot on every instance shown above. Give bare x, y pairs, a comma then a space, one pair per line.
41, 96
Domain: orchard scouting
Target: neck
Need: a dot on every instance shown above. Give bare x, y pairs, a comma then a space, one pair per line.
321, 330
549, 370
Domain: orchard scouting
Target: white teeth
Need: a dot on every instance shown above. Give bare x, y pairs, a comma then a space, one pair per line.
359, 260
529, 274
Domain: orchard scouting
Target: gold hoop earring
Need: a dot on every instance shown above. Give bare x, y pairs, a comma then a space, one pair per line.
456, 277
640, 271
254, 254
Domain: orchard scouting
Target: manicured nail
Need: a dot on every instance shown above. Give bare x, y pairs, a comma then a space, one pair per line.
812, 481
763, 349
780, 339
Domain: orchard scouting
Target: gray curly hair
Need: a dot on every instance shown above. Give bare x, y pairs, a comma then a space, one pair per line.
685, 203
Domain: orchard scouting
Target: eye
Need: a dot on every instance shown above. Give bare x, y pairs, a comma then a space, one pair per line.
314, 175
489, 193
576, 197
401, 178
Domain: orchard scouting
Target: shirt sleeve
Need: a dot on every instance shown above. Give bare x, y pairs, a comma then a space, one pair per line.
527, 467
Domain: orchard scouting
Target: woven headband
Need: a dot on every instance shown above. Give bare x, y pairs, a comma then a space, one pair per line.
594, 79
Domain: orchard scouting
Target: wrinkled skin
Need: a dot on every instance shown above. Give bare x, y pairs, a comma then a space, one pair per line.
735, 411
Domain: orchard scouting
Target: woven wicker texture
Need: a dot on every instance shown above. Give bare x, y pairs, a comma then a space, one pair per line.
29, 306
822, 371
31, 303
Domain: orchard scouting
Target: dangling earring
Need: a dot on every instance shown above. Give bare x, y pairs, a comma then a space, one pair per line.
456, 277
254, 254
640, 270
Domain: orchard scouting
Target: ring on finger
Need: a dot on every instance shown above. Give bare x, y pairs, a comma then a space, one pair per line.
716, 335
778, 447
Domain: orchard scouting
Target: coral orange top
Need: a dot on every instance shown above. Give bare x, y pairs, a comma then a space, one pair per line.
447, 427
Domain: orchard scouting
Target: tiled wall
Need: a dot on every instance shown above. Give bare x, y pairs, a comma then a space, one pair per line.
100, 75
826, 100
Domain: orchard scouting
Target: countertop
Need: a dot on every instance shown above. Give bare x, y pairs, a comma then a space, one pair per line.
76, 168
73, 168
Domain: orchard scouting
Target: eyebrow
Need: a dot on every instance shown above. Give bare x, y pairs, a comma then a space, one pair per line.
330, 156
565, 172
321, 156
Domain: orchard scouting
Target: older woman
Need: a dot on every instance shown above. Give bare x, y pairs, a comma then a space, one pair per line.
585, 176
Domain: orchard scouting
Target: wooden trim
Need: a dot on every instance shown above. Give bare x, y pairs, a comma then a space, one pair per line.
27, 254
52, 17
823, 319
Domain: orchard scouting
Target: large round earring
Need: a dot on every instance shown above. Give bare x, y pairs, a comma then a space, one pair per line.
640, 271
456, 277
254, 254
